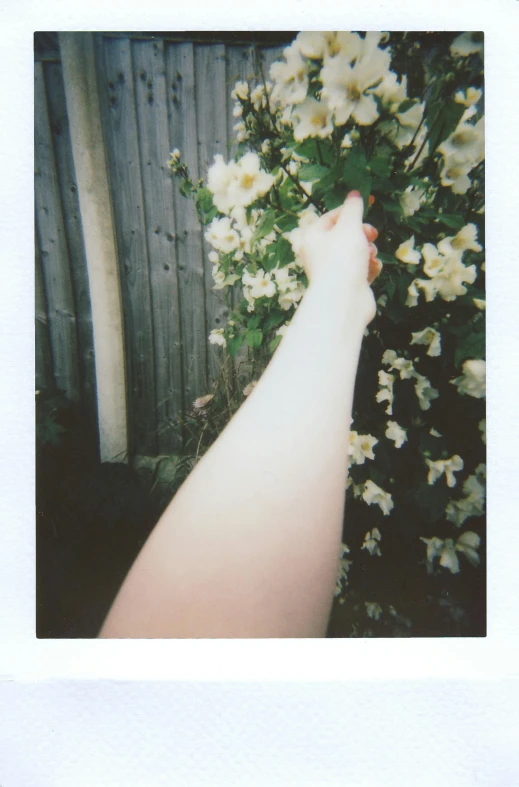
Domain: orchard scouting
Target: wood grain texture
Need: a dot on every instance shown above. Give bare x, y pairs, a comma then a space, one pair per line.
43, 360
211, 115
182, 127
54, 252
59, 124
152, 116
121, 132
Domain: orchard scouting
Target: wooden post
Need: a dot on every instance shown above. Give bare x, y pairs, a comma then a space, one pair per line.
79, 76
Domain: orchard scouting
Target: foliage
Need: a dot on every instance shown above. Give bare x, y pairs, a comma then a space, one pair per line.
398, 117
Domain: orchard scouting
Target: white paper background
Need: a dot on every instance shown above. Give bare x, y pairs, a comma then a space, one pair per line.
438, 712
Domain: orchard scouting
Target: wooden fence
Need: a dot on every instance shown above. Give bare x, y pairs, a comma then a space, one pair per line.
153, 94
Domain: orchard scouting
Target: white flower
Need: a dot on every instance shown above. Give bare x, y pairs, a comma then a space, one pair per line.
216, 337
472, 380
462, 151
373, 610
373, 494
467, 44
401, 365
282, 330
424, 391
289, 298
405, 129
455, 174
473, 504
468, 543
344, 567
465, 144
251, 181
448, 466
391, 92
318, 46
312, 119
445, 550
465, 240
404, 367
237, 183
411, 200
260, 284
174, 156
371, 540
218, 278
361, 447
428, 336
347, 142
345, 86
290, 78
222, 236
469, 98
407, 253
396, 433
385, 394
241, 90
479, 303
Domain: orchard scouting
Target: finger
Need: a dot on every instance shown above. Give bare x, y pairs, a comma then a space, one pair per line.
372, 250
370, 232
374, 269
351, 212
328, 220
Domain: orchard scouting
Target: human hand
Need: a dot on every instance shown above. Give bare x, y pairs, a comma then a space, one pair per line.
338, 241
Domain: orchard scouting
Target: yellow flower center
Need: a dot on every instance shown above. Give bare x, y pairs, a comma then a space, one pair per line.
247, 181
353, 93
319, 121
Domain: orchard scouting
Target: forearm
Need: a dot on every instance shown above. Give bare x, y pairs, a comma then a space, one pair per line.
249, 546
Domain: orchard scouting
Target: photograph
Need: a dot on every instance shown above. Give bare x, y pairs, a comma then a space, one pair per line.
260, 383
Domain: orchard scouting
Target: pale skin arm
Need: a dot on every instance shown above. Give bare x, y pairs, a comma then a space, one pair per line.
249, 546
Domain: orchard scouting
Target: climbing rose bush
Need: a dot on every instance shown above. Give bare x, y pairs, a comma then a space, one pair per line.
399, 117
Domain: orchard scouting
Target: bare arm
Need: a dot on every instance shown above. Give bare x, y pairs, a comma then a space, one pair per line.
249, 545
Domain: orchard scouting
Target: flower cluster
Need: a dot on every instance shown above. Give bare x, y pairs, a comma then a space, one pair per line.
399, 117
442, 264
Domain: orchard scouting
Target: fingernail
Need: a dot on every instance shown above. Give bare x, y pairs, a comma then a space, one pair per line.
354, 194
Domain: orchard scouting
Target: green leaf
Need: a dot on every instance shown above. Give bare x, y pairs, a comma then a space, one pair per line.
312, 172
185, 188
472, 346
231, 279
265, 225
273, 320
453, 221
254, 338
432, 500
204, 200
274, 343
253, 322
234, 344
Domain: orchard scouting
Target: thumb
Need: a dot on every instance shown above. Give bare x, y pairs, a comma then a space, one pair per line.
350, 217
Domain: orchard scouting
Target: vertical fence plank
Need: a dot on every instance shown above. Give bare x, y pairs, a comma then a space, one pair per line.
118, 113
211, 115
269, 55
54, 252
239, 67
90, 170
59, 124
182, 119
43, 361
152, 116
